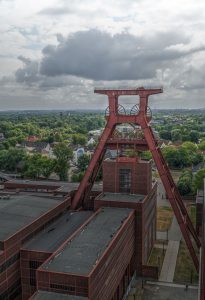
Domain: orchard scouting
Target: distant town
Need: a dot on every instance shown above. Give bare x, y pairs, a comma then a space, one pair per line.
58, 145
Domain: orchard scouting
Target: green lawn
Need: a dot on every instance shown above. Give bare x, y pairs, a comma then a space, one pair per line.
192, 214
156, 258
164, 218
185, 267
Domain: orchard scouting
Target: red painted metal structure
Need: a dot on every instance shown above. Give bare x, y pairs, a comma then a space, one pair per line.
139, 115
202, 262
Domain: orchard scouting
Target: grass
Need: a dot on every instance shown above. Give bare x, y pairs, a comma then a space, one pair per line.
192, 214
164, 218
156, 258
185, 267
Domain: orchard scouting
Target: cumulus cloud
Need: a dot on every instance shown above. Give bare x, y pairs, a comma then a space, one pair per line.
56, 11
191, 78
100, 56
97, 55
29, 73
88, 58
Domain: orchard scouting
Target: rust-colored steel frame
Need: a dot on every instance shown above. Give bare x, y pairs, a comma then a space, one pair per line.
142, 119
202, 256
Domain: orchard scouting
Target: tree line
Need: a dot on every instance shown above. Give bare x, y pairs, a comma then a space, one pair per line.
36, 165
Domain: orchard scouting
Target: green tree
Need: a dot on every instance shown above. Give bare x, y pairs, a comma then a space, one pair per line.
3, 159
198, 181
202, 145
33, 166
176, 157
146, 155
77, 177
79, 139
83, 162
176, 135
165, 134
63, 155
184, 183
10, 158
194, 136
48, 166
38, 165
131, 153
191, 147
12, 141
197, 158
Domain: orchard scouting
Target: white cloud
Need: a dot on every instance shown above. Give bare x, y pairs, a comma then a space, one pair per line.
170, 34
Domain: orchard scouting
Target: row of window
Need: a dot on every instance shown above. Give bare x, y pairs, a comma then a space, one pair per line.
62, 287
125, 181
9, 262
13, 292
33, 265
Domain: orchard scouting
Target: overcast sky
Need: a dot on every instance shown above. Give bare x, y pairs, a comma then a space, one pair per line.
54, 52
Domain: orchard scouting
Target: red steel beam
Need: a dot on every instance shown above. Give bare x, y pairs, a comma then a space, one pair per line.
93, 162
202, 256
133, 91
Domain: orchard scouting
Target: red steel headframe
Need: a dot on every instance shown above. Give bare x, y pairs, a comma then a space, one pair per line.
141, 118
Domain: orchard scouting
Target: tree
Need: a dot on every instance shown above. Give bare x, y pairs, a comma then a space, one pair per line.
12, 141
131, 153
198, 181
202, 145
79, 139
177, 157
3, 160
38, 165
184, 183
191, 147
33, 166
48, 166
83, 162
194, 136
77, 177
146, 155
176, 135
165, 134
63, 155
10, 158
197, 158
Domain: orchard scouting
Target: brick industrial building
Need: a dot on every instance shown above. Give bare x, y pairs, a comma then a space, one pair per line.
96, 248
21, 217
46, 247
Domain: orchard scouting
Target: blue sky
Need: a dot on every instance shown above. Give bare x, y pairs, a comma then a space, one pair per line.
54, 52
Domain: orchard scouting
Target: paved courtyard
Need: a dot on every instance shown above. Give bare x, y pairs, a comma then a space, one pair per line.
174, 292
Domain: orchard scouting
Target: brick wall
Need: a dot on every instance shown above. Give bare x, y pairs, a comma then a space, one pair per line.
141, 175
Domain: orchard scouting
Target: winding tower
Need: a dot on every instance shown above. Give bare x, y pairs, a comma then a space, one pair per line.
140, 115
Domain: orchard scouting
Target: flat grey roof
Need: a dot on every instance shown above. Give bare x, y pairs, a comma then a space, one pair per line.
81, 254
21, 210
135, 198
63, 186
56, 233
71, 186
55, 296
40, 182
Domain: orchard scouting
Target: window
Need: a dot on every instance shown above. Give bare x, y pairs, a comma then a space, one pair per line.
62, 287
125, 181
9, 262
33, 266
